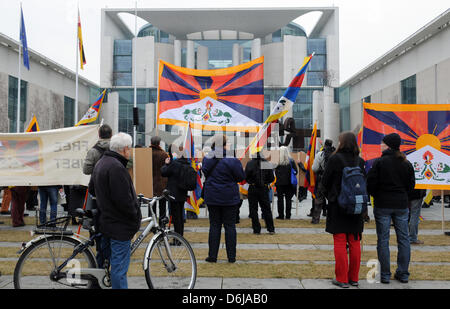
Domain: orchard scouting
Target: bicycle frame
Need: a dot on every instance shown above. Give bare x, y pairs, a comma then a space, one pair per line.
74, 274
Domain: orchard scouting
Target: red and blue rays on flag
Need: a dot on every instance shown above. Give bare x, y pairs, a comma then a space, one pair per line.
230, 99
93, 111
22, 154
310, 179
418, 125
193, 201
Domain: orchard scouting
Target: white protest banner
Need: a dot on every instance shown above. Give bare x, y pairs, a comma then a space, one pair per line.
53, 157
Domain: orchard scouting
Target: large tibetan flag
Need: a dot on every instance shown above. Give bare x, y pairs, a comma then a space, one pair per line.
282, 107
23, 41
194, 199
80, 44
33, 126
424, 130
230, 99
93, 111
310, 179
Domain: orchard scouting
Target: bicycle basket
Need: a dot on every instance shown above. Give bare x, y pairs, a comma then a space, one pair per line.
56, 226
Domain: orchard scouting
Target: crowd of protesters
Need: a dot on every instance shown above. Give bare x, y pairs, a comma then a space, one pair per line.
390, 182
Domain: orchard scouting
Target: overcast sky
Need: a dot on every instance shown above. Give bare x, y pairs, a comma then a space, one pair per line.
368, 28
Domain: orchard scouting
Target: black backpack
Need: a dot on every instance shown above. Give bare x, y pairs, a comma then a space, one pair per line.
188, 178
353, 198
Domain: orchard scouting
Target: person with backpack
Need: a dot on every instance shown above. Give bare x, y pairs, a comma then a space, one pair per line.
286, 184
321, 160
181, 178
259, 175
221, 194
344, 216
389, 181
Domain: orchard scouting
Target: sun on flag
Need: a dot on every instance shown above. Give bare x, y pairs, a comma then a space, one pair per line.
229, 99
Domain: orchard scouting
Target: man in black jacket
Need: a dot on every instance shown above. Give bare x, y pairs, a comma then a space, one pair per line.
120, 214
259, 174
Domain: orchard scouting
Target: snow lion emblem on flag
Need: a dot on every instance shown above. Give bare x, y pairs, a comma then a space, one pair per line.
230, 99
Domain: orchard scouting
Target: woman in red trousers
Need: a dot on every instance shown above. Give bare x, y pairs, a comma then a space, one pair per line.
346, 229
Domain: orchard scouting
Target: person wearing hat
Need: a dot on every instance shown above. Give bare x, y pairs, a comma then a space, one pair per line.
389, 181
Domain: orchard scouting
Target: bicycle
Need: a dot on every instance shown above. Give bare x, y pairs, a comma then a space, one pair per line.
60, 259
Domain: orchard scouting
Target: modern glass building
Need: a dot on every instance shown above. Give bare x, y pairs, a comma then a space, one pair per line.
225, 38
416, 71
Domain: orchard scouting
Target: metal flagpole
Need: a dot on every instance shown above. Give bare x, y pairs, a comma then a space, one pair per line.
20, 71
76, 78
135, 91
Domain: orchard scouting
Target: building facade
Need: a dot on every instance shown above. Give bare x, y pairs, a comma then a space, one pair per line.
416, 71
220, 38
47, 91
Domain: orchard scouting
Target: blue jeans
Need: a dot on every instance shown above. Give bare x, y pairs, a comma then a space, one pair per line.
45, 194
120, 252
383, 222
416, 206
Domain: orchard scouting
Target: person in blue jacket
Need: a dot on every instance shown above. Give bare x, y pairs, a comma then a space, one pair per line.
221, 195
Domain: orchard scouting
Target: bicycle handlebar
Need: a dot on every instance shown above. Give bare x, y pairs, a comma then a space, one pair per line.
165, 194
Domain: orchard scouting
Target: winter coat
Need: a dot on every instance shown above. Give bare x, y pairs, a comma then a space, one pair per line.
93, 155
158, 161
257, 176
119, 211
283, 173
221, 187
172, 172
338, 221
390, 180
417, 194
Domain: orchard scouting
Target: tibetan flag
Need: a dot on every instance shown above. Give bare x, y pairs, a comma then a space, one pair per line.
33, 126
93, 111
230, 99
310, 180
194, 199
287, 100
80, 44
282, 108
425, 133
359, 138
23, 41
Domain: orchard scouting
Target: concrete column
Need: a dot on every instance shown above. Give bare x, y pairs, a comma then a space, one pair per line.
330, 116
317, 109
333, 60
110, 112
177, 52
190, 54
256, 48
294, 52
202, 58
149, 121
236, 57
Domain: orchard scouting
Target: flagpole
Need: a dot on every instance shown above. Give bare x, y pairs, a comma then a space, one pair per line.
134, 67
76, 77
20, 72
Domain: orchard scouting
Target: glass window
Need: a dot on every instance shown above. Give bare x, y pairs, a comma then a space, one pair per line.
122, 79
123, 64
123, 47
318, 63
367, 99
315, 78
408, 87
319, 46
12, 103
69, 107
276, 36
126, 104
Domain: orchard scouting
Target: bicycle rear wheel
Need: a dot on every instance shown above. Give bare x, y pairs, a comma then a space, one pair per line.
37, 262
161, 273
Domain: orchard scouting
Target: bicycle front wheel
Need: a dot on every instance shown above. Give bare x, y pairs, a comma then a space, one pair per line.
171, 263
37, 262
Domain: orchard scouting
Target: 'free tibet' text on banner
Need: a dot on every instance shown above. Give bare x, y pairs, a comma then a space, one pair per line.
53, 157
424, 130
230, 99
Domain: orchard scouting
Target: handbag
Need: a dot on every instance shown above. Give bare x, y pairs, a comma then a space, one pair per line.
294, 181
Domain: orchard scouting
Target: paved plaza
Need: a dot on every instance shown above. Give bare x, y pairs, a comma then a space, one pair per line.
299, 211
